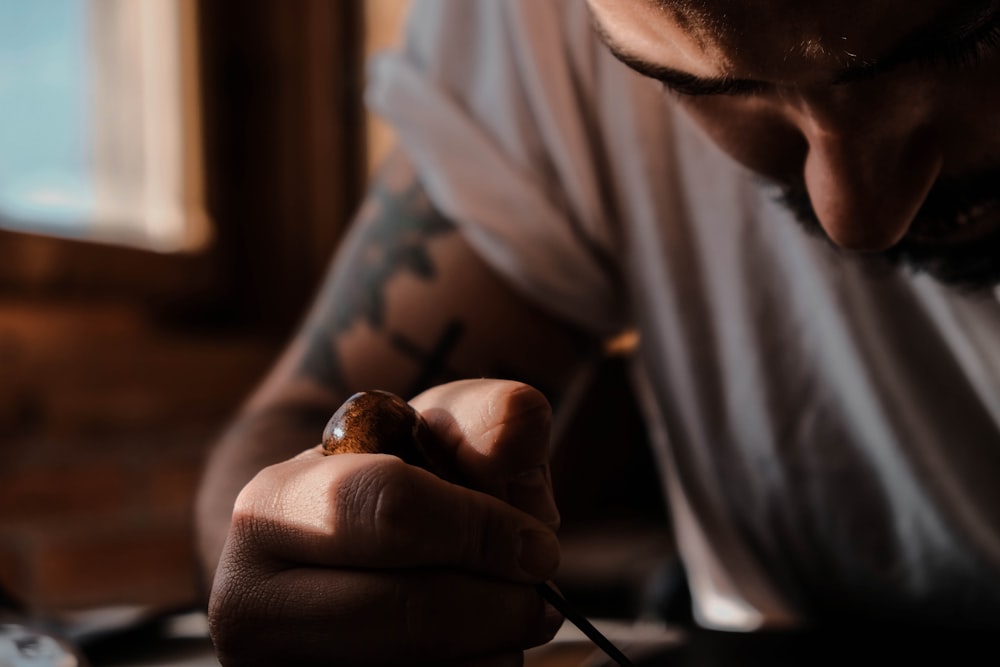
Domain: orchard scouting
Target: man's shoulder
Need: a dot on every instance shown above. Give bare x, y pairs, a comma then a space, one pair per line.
516, 25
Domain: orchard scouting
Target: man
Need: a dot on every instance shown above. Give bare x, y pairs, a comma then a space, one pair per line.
825, 403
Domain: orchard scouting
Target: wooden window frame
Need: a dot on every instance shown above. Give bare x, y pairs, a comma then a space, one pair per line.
283, 133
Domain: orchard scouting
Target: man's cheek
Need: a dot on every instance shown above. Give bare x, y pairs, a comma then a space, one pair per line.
754, 132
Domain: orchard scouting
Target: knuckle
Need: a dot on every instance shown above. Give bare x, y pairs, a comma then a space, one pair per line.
378, 501
265, 485
251, 527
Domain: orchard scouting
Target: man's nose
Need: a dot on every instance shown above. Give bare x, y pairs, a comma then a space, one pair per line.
868, 174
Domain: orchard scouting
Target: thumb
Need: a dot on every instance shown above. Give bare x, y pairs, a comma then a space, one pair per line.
497, 432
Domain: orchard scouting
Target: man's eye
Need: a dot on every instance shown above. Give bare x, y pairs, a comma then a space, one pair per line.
735, 88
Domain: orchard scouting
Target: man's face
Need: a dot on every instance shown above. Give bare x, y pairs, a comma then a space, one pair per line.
880, 119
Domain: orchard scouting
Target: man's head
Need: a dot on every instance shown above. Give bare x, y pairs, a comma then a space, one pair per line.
879, 118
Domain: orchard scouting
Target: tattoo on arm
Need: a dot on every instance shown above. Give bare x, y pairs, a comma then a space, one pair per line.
398, 221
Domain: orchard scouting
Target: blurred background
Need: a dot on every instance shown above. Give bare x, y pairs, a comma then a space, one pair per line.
174, 175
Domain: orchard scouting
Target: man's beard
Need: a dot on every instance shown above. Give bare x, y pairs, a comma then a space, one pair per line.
972, 264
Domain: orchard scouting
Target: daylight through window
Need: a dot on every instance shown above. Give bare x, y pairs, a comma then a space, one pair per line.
99, 124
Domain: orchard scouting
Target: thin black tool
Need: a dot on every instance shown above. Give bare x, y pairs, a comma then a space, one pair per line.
383, 419
579, 620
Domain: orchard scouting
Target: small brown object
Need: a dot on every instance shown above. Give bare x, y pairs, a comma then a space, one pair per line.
380, 422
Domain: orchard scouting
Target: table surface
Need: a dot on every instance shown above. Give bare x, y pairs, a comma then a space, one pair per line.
183, 642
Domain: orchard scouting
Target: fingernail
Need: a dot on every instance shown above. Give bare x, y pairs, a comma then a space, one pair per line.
539, 553
530, 491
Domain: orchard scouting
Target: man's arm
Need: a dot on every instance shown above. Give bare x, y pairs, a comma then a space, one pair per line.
407, 305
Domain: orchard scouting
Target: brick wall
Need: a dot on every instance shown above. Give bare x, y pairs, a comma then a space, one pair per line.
104, 422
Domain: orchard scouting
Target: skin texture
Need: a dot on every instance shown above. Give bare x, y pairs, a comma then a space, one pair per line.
360, 559
863, 152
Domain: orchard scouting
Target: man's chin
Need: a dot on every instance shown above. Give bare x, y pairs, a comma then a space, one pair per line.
971, 265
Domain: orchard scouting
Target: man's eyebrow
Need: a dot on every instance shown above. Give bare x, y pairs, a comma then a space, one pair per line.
687, 83
684, 82
964, 26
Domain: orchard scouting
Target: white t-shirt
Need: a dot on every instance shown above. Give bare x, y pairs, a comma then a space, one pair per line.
829, 429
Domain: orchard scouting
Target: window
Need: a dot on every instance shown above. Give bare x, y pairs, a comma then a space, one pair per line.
99, 123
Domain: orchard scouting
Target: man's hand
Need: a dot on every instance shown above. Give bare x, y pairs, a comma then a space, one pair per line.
360, 559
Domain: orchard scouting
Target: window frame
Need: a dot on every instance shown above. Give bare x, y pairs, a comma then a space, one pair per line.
283, 140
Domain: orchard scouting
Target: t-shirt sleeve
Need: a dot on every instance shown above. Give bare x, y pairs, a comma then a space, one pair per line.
492, 101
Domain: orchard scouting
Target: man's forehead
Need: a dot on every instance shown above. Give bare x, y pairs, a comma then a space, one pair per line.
729, 14
758, 37
694, 17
